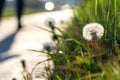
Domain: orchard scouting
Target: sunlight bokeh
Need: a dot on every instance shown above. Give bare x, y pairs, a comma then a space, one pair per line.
49, 6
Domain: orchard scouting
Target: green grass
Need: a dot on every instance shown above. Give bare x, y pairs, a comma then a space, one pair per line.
12, 12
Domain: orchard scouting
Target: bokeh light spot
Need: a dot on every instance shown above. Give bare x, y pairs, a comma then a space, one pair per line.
49, 6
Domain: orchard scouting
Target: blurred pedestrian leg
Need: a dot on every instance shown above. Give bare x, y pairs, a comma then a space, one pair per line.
19, 9
2, 3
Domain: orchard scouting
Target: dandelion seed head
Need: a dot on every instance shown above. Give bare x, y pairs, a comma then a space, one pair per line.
49, 46
93, 31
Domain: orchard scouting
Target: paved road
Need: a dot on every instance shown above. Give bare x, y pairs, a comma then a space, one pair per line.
14, 45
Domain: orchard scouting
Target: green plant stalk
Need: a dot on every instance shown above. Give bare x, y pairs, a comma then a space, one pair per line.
96, 7
58, 77
115, 14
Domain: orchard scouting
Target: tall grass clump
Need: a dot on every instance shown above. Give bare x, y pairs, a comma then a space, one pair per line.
105, 12
89, 48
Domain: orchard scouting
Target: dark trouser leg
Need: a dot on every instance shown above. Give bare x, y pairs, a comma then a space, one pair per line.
2, 3
19, 4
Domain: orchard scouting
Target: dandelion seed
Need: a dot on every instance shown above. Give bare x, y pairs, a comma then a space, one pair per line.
93, 31
50, 22
49, 46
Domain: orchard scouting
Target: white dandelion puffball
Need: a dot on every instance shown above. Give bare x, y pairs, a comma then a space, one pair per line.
93, 31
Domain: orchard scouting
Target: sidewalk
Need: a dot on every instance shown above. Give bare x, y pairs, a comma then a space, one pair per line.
14, 45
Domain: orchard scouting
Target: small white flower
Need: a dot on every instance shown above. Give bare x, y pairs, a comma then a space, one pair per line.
60, 52
93, 31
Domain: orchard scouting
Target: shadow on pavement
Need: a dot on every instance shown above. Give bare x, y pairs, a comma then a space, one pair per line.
7, 57
5, 46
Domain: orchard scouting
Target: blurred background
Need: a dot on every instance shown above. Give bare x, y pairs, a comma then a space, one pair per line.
32, 6
40, 3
